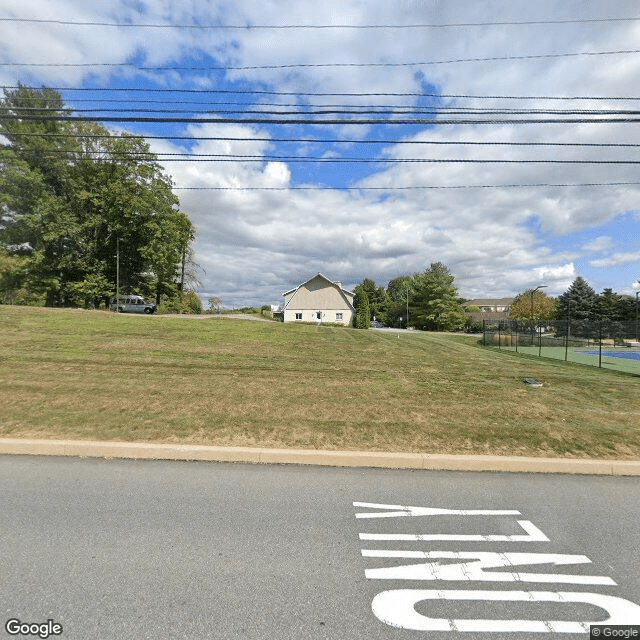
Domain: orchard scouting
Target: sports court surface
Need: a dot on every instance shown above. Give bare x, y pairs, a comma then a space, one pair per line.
621, 359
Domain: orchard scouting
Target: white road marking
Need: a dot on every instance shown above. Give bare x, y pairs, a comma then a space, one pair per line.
472, 567
397, 511
397, 609
533, 535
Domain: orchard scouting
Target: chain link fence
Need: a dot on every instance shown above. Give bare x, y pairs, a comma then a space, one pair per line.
597, 341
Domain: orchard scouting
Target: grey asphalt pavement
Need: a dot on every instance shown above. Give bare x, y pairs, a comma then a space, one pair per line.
115, 549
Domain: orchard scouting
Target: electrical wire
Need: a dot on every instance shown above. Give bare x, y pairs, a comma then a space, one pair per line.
356, 110
249, 27
315, 65
497, 143
420, 188
325, 121
213, 157
322, 94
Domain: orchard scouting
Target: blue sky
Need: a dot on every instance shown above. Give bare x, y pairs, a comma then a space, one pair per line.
266, 226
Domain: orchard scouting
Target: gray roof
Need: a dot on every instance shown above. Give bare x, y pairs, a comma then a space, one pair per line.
489, 302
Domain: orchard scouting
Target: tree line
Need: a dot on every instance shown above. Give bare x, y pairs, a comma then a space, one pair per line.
80, 206
579, 312
427, 300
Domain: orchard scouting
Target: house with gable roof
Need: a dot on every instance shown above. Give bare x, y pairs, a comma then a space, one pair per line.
318, 300
490, 308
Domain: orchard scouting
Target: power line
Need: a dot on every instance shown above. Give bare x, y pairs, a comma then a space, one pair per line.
300, 105
324, 94
316, 65
219, 157
249, 27
328, 140
355, 110
416, 188
325, 121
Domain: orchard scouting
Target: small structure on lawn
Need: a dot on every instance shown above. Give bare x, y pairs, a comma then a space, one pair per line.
318, 300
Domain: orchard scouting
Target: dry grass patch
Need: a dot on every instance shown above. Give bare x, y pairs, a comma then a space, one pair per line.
69, 373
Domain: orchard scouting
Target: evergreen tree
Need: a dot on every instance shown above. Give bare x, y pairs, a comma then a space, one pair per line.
362, 317
435, 305
608, 315
575, 310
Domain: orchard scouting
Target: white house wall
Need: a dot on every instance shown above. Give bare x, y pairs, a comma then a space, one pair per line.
318, 294
310, 315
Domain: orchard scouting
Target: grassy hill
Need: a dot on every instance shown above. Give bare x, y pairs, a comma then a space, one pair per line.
96, 375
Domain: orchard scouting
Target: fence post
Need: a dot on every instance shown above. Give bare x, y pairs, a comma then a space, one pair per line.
540, 341
600, 344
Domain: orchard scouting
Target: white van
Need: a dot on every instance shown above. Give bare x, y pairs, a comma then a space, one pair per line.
132, 304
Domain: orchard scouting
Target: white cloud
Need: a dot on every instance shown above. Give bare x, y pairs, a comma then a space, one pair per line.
599, 244
255, 244
616, 259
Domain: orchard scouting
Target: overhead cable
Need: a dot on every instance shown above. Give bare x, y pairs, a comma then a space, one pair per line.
324, 94
213, 157
418, 188
333, 65
324, 121
249, 27
355, 110
489, 143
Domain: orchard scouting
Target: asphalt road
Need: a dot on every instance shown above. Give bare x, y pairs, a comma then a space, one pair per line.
114, 549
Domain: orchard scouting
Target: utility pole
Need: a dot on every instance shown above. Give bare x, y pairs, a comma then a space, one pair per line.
407, 307
117, 274
566, 339
184, 257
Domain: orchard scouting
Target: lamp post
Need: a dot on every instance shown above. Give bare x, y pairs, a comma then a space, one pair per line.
542, 286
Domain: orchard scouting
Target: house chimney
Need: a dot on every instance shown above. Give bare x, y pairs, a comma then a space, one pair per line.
339, 284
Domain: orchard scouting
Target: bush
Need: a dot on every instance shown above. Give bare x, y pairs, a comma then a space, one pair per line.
188, 303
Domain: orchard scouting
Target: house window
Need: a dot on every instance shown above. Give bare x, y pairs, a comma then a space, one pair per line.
338, 316
298, 316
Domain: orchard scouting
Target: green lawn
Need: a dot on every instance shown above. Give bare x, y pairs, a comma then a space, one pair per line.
97, 375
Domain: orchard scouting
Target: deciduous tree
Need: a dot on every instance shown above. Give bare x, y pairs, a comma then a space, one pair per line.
70, 193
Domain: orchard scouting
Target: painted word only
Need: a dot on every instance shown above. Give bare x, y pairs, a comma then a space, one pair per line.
397, 607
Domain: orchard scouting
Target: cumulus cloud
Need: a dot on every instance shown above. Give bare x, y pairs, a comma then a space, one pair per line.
617, 258
261, 232
599, 244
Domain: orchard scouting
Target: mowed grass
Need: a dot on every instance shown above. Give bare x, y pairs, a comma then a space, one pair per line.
96, 375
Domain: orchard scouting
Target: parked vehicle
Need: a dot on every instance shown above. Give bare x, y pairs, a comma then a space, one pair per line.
132, 304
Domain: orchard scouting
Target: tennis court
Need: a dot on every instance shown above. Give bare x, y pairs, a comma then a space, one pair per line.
621, 359
629, 355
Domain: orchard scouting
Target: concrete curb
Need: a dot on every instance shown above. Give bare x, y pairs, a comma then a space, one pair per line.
147, 451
